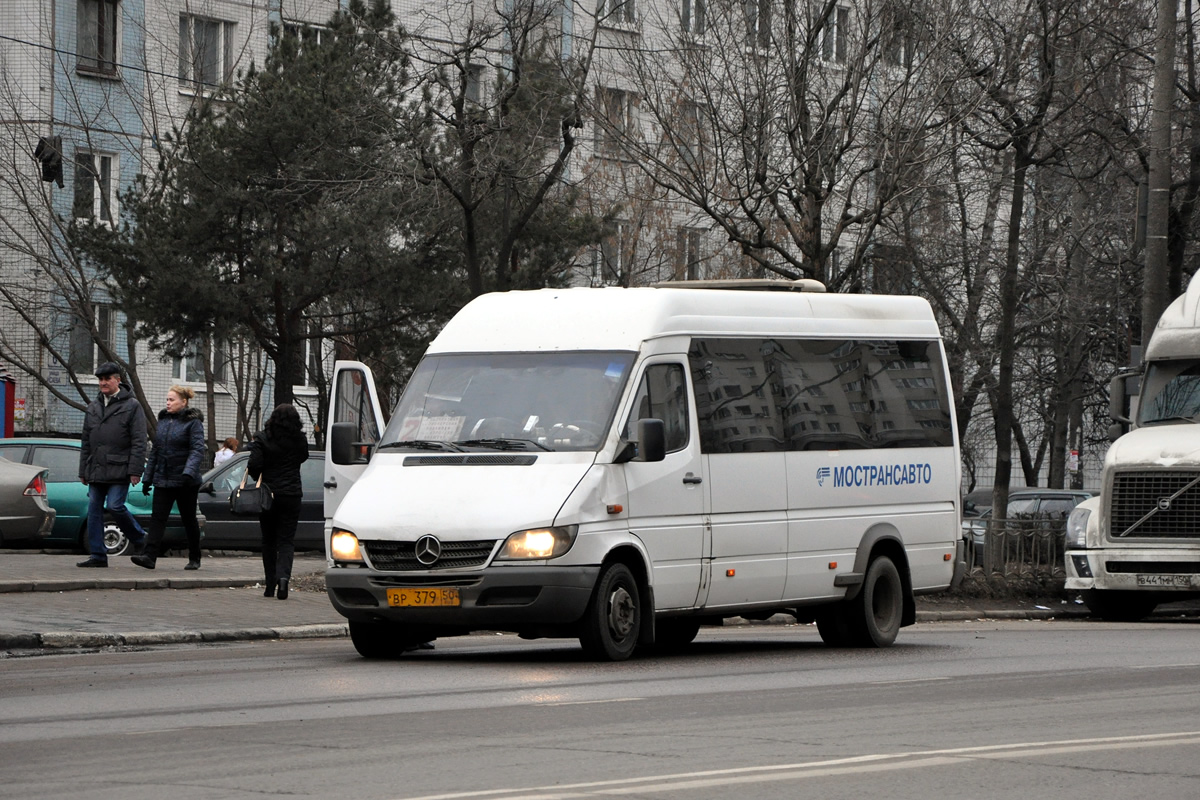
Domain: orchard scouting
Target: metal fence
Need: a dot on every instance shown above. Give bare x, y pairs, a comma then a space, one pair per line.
1020, 547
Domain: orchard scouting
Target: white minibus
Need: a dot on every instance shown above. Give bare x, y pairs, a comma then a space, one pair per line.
624, 466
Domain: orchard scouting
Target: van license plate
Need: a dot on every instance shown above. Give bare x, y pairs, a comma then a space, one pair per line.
1181, 581
423, 598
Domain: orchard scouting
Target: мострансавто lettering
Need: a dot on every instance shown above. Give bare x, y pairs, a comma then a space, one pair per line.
882, 475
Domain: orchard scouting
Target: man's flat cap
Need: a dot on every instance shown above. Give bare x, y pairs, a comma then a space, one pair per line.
107, 368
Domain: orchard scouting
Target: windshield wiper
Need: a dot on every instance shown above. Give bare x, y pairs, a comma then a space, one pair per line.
420, 444
503, 444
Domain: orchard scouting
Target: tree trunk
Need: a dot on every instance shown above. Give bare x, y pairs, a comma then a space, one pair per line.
1158, 206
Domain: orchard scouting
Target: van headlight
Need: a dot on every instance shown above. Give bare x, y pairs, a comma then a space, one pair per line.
538, 543
344, 546
1077, 524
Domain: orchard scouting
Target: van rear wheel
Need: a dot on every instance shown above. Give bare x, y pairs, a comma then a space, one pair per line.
613, 619
872, 618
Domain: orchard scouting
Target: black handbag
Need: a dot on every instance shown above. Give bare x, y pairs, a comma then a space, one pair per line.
250, 500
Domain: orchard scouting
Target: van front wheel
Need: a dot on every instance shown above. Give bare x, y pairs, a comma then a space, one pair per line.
384, 639
613, 618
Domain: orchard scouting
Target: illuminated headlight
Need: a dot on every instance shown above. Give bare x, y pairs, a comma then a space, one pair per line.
344, 546
1077, 524
539, 543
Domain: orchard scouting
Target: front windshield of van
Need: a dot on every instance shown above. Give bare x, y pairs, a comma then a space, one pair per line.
1171, 392
509, 401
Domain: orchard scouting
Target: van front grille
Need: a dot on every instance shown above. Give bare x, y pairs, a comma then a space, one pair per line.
1173, 497
388, 556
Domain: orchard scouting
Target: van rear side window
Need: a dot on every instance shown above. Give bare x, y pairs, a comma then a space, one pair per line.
761, 395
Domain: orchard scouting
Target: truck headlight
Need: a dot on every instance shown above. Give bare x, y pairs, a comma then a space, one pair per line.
538, 543
344, 546
1077, 524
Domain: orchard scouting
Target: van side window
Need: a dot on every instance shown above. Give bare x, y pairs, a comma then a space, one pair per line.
662, 394
761, 395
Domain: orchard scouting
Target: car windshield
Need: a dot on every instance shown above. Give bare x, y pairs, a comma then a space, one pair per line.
509, 401
1171, 392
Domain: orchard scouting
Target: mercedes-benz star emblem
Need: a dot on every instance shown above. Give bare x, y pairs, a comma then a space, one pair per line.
428, 550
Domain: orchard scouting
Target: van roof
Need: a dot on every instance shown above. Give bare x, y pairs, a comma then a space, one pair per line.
621, 319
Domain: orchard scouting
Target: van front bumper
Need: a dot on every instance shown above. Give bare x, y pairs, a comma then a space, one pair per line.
498, 598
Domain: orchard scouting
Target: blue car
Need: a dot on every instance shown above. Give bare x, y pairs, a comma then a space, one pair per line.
68, 497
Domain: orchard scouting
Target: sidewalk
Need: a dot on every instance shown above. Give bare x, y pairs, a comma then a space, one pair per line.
47, 602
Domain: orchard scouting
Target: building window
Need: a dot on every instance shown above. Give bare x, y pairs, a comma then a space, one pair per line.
205, 52
305, 33
898, 37
307, 361
474, 87
96, 46
617, 12
609, 262
833, 25
616, 108
691, 265
691, 16
189, 368
758, 23
95, 186
84, 350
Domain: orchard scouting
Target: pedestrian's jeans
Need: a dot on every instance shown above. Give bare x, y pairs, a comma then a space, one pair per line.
111, 496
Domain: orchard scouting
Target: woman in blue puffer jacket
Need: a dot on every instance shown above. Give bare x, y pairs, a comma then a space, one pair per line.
174, 467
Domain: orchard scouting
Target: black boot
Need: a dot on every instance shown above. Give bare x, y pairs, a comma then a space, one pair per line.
193, 564
270, 590
282, 593
143, 561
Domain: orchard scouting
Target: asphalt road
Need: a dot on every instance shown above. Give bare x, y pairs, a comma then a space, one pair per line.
1062, 709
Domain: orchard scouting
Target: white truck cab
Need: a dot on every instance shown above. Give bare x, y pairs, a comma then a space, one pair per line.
1138, 543
623, 466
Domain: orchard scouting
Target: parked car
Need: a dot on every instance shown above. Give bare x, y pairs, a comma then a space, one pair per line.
226, 531
25, 516
1025, 504
69, 497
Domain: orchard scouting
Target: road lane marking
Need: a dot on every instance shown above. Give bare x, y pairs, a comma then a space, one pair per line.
876, 762
590, 702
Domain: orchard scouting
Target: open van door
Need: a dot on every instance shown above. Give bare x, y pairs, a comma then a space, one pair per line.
355, 422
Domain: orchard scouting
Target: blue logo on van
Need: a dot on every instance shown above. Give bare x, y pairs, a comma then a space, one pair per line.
822, 474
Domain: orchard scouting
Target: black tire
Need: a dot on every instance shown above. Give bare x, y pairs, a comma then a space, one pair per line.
670, 634
384, 639
613, 619
880, 604
872, 618
1118, 606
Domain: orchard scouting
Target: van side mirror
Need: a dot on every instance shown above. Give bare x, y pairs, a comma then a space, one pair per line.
342, 447
652, 440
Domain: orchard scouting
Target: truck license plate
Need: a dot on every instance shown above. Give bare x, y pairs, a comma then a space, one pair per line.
1176, 581
423, 598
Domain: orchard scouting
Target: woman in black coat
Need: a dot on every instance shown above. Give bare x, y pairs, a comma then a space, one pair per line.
276, 454
175, 465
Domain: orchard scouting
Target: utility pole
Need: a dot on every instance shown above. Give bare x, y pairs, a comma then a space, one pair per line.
1158, 206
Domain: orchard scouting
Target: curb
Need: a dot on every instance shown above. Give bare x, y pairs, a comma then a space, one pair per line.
7, 587
84, 639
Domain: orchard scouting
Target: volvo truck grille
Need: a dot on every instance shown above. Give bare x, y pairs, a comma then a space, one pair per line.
1155, 505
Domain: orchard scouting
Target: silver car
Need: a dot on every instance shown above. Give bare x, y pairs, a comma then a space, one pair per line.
24, 513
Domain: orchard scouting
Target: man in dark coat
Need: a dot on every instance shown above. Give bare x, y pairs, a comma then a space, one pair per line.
111, 460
